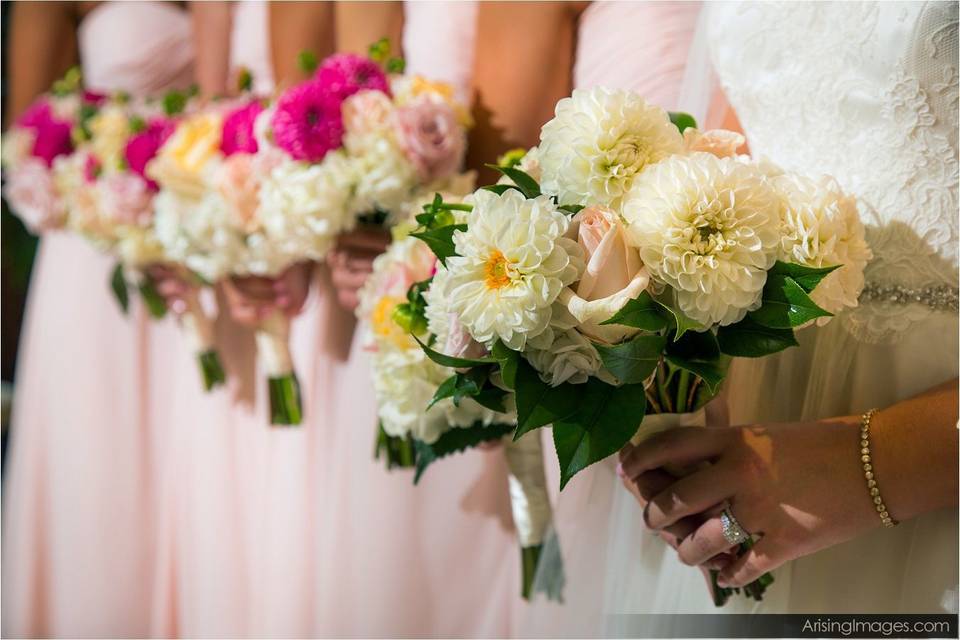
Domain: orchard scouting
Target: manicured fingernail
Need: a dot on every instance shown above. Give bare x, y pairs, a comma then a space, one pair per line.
620, 472
722, 582
178, 306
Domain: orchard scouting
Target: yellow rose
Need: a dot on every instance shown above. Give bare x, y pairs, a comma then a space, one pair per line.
109, 131
187, 160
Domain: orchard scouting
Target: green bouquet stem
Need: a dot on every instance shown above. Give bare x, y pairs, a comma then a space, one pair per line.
211, 369
399, 452
286, 407
529, 559
754, 590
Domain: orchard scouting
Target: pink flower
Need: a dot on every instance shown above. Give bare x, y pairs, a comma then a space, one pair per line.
307, 123
366, 111
719, 142
460, 344
431, 137
142, 147
239, 182
93, 97
51, 135
126, 199
91, 168
238, 134
32, 196
344, 74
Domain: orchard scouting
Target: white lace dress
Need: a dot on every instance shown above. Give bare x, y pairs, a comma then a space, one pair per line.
865, 92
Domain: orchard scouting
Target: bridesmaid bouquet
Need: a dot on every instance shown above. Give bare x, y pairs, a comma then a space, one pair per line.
615, 270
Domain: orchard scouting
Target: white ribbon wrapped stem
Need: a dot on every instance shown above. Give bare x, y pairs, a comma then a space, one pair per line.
273, 345
529, 500
197, 326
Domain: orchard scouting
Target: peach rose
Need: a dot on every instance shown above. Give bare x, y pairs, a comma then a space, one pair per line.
366, 111
239, 185
719, 142
614, 275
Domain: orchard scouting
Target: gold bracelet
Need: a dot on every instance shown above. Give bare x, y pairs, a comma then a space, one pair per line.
868, 469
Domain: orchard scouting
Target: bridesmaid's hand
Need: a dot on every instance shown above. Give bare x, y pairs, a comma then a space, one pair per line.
351, 262
252, 298
173, 284
798, 487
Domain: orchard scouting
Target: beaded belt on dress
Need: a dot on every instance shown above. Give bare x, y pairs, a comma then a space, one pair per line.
939, 298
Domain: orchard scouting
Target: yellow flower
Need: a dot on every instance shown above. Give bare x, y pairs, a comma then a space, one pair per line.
109, 131
186, 161
381, 321
444, 90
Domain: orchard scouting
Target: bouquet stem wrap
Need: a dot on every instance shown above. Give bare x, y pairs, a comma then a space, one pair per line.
198, 327
660, 422
529, 501
273, 348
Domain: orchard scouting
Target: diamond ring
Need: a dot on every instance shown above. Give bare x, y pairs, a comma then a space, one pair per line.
732, 531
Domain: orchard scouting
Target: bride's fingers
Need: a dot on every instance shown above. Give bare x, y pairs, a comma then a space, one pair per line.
703, 544
680, 447
687, 496
762, 557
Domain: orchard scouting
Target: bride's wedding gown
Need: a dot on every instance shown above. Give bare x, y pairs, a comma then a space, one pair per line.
865, 92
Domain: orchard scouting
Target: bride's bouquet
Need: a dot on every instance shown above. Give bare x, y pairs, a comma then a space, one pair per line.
610, 277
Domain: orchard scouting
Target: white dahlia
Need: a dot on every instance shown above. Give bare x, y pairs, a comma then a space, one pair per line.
513, 261
599, 141
709, 228
820, 227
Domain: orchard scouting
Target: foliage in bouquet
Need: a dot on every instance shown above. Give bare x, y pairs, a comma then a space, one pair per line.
617, 275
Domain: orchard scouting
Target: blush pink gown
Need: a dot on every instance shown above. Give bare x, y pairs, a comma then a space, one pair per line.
93, 394
299, 532
640, 46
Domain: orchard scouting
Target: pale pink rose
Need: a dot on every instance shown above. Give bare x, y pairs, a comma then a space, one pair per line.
431, 137
30, 191
719, 142
366, 111
126, 198
614, 275
239, 184
460, 344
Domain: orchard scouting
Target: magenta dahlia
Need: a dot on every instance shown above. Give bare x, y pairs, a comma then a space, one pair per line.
143, 146
306, 122
344, 74
51, 135
238, 134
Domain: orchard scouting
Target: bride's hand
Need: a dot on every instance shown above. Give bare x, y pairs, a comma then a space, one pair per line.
798, 487
351, 262
252, 298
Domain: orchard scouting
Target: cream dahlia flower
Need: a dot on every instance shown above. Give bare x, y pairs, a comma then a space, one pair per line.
513, 263
820, 227
599, 141
708, 227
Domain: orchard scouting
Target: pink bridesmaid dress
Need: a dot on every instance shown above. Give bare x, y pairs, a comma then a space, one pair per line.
299, 532
641, 47
93, 394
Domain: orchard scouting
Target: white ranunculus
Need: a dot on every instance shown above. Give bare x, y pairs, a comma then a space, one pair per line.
303, 206
513, 261
708, 227
599, 141
820, 227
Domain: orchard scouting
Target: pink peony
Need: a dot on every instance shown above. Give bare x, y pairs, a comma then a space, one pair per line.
238, 134
32, 195
431, 137
51, 135
142, 147
126, 199
344, 74
307, 123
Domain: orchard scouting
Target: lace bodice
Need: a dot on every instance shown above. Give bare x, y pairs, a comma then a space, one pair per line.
865, 92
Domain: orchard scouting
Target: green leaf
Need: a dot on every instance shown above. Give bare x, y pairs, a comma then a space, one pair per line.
501, 189
643, 312
174, 102
633, 361
462, 385
395, 64
748, 339
379, 50
682, 120
244, 80
450, 361
539, 404
785, 304
806, 277
606, 419
492, 398
119, 287
695, 345
154, 302
440, 240
511, 158
455, 440
572, 209
528, 186
712, 372
307, 61
679, 321
509, 361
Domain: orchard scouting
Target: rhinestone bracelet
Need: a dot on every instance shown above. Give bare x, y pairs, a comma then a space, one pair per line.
868, 469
